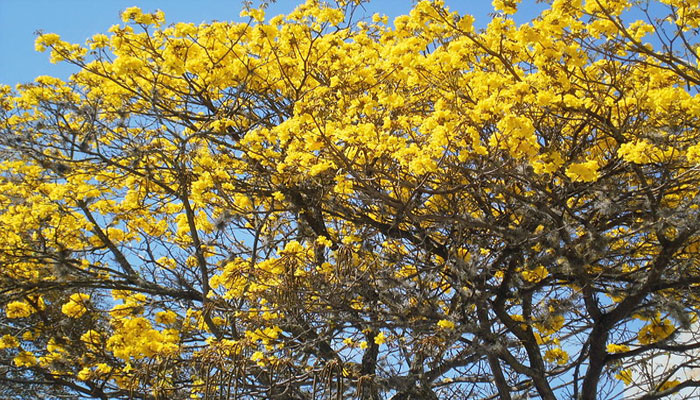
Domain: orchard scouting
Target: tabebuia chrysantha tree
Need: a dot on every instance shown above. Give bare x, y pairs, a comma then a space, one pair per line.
329, 205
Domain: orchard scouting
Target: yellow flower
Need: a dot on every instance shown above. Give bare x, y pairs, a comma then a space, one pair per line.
131, 13
625, 376
617, 348
46, 40
98, 41
324, 241
25, 359
693, 154
84, 374
92, 339
556, 355
76, 306
535, 275
507, 6
166, 317
259, 358
103, 369
292, 247
380, 338
257, 14
446, 324
655, 331
8, 342
583, 172
551, 325
258, 355
18, 309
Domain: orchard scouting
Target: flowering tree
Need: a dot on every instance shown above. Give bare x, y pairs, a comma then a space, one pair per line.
310, 207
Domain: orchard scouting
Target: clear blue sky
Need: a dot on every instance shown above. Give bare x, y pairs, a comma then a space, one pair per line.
76, 20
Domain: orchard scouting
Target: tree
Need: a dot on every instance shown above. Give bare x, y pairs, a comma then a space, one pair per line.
310, 206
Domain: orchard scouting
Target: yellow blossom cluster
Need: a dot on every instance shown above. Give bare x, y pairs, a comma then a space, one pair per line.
76, 305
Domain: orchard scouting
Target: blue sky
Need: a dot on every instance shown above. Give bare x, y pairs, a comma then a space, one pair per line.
76, 20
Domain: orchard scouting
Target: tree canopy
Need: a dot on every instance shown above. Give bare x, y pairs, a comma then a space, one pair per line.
328, 205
